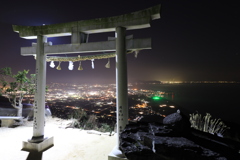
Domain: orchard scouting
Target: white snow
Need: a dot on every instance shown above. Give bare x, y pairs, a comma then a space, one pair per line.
69, 144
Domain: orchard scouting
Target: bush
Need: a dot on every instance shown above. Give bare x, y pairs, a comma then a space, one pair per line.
80, 119
91, 123
105, 128
207, 124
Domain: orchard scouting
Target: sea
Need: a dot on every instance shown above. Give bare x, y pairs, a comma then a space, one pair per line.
221, 100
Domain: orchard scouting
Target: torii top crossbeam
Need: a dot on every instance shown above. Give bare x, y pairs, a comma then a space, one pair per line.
134, 20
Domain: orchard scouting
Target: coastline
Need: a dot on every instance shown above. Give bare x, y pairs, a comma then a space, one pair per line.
221, 100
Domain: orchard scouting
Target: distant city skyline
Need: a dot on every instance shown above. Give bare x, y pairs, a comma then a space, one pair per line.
149, 82
192, 41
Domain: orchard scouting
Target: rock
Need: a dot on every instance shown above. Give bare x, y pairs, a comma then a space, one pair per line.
160, 130
173, 139
179, 148
152, 119
173, 118
131, 140
178, 122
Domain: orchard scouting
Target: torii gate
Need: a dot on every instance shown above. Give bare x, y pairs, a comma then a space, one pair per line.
79, 31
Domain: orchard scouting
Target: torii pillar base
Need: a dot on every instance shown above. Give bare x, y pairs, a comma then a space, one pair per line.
38, 147
116, 154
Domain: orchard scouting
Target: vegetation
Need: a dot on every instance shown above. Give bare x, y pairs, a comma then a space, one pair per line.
207, 124
80, 119
16, 86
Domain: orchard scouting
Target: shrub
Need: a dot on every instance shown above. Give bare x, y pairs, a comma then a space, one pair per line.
207, 124
80, 119
105, 128
77, 116
91, 123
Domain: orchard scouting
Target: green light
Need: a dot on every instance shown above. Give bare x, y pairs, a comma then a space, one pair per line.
155, 98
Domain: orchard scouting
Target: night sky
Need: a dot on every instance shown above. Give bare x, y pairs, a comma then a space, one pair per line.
193, 40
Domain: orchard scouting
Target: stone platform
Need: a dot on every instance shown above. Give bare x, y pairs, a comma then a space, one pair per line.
38, 147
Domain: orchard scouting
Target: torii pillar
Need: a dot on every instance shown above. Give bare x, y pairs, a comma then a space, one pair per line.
121, 81
39, 143
39, 99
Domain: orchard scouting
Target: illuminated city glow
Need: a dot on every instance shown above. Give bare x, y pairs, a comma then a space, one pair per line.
100, 100
156, 98
162, 105
72, 107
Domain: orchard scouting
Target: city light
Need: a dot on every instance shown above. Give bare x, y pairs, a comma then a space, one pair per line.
156, 98
100, 100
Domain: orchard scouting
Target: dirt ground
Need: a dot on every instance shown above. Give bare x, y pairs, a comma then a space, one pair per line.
69, 144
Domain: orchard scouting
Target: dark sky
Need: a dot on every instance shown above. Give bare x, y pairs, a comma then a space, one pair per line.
193, 40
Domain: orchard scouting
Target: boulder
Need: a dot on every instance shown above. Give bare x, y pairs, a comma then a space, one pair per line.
178, 122
173, 139
178, 148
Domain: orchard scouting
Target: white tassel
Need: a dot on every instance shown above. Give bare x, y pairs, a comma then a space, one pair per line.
136, 53
108, 64
92, 63
52, 65
80, 66
70, 66
59, 67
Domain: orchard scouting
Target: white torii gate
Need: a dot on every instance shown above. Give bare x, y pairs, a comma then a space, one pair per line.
79, 31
